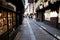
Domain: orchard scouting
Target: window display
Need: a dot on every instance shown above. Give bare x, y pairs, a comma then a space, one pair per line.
7, 22
10, 19
3, 22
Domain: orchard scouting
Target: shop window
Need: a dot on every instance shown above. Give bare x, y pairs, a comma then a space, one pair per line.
3, 22
53, 14
7, 21
10, 19
14, 19
47, 15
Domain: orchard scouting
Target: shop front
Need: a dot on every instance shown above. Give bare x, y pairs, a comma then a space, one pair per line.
49, 14
7, 23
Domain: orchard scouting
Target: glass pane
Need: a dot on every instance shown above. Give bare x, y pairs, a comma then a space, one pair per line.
4, 21
10, 19
1, 23
4, 14
9, 14
14, 19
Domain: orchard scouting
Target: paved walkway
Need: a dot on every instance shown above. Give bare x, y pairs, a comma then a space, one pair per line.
30, 31
50, 29
26, 32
